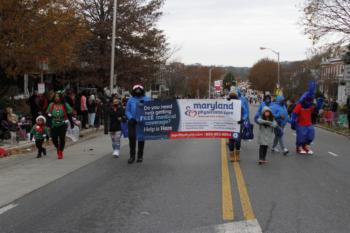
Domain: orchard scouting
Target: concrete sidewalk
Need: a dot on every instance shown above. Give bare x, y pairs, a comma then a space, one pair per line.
28, 147
20, 175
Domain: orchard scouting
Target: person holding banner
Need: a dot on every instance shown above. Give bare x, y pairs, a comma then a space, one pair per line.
137, 100
242, 92
235, 144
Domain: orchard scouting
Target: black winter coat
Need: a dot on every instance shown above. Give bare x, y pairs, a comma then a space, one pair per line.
114, 122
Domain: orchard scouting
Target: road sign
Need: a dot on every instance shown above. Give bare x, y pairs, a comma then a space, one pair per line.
218, 86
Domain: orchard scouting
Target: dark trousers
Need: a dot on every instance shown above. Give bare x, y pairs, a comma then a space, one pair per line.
58, 135
132, 141
263, 152
234, 144
105, 123
39, 146
84, 116
34, 116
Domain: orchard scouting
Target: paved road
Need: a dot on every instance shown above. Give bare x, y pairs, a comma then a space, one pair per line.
189, 186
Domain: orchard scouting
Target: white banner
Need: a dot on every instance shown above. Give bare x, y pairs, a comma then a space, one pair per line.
191, 118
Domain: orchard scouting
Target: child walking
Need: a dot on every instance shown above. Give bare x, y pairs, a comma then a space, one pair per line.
267, 125
40, 132
115, 117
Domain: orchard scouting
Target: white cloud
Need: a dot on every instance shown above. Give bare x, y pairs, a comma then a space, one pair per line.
230, 32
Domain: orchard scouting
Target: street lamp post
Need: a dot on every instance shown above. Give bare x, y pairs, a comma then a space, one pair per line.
210, 70
278, 59
111, 81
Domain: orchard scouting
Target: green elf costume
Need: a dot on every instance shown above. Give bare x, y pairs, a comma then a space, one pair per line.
40, 132
60, 114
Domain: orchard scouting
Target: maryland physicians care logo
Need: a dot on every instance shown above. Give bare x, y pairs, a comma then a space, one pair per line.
206, 109
190, 112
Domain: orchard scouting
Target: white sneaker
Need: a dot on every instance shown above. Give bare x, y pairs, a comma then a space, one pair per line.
309, 151
116, 153
285, 151
275, 150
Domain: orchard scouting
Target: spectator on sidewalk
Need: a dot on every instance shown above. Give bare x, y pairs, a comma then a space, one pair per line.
91, 105
348, 109
34, 106
83, 110
12, 120
43, 104
71, 100
334, 109
40, 132
99, 112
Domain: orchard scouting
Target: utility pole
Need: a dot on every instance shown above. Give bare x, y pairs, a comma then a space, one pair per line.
113, 46
210, 70
279, 65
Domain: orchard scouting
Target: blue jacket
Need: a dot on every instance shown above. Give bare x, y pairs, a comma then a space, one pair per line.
279, 111
245, 105
245, 110
259, 112
131, 106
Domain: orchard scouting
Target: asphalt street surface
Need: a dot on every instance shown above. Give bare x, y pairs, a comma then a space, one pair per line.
190, 186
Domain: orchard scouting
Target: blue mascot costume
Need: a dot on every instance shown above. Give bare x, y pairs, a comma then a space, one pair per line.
302, 120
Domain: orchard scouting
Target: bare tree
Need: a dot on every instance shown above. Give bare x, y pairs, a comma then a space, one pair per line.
323, 18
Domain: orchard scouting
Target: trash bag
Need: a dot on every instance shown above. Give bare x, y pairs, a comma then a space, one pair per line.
74, 133
248, 131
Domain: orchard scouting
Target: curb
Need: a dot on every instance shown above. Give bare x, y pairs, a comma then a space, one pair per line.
333, 131
30, 147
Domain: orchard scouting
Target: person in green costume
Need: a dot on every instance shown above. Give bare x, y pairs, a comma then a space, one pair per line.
60, 114
39, 133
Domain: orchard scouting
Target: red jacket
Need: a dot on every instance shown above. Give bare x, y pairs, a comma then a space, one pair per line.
303, 115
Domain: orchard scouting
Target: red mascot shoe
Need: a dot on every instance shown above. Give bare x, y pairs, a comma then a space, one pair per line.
59, 154
300, 150
308, 150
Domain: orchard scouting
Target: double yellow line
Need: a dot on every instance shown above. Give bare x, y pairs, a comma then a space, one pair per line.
227, 203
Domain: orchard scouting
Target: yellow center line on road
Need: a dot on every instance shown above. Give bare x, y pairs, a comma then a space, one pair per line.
243, 193
227, 204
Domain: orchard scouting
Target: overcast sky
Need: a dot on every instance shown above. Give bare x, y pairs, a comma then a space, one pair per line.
230, 32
